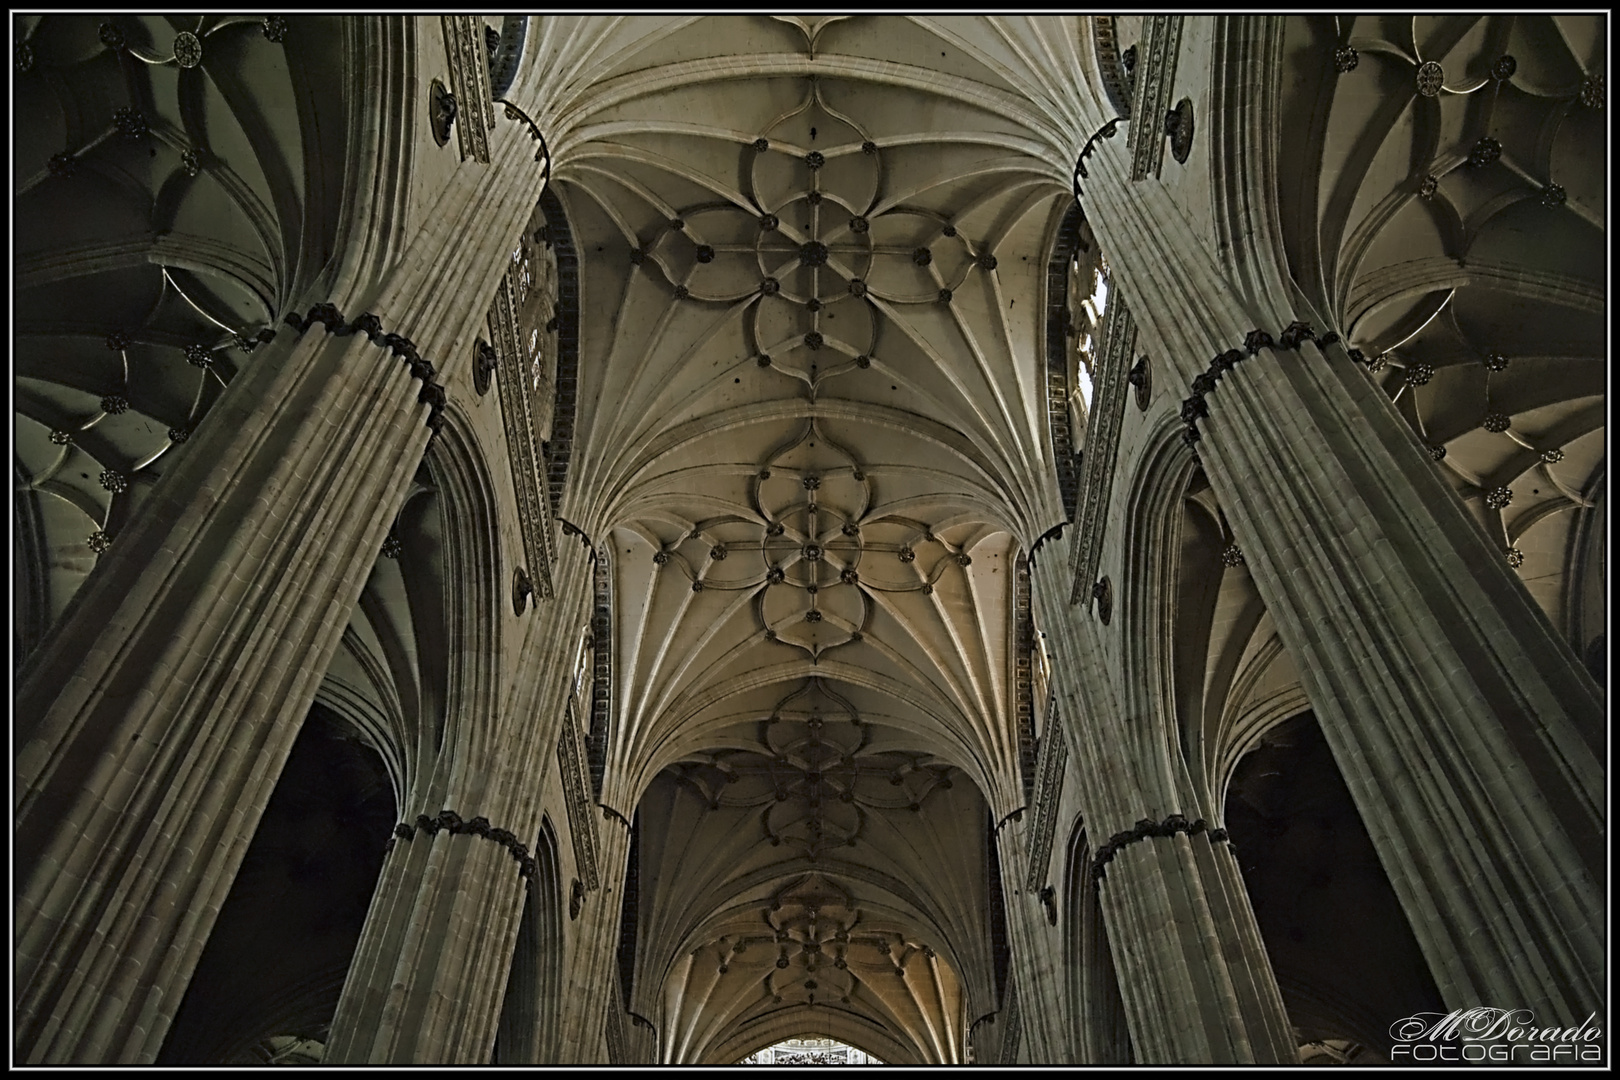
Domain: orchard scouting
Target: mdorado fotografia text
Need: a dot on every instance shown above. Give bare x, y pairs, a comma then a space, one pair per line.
1486, 1034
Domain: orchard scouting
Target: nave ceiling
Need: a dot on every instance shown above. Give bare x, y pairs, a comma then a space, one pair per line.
812, 442
811, 446
1442, 201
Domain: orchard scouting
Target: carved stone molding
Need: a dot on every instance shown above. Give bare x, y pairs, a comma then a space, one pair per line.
617, 1044
602, 666
1161, 39
1298, 332
522, 445
564, 407
575, 772
1144, 829
451, 822
1013, 1028
1102, 443
1054, 758
1064, 458
468, 58
432, 394
1023, 682
1116, 79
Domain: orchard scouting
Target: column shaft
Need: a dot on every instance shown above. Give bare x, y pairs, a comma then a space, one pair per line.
429, 974
153, 727
1200, 987
1467, 731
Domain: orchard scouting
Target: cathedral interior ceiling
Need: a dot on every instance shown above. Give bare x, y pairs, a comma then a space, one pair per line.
812, 396
812, 437
170, 201
1441, 196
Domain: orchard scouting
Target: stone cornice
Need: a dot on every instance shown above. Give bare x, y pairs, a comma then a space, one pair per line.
1102, 444
572, 765
1054, 759
469, 80
1161, 39
523, 452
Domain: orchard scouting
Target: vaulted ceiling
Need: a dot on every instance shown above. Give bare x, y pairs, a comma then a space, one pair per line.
176, 186
1442, 188
811, 439
811, 445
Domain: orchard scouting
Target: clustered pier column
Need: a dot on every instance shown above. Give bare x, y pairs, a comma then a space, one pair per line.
1467, 730
151, 733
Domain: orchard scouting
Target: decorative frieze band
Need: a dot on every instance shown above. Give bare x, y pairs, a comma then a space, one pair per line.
1064, 458
602, 667
432, 393
1161, 39
1116, 80
1054, 758
451, 822
468, 58
618, 1047
1023, 675
1196, 407
1102, 443
576, 778
523, 451
1012, 1026
560, 450
1144, 829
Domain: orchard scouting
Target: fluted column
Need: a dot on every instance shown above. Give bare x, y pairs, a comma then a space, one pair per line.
1049, 1034
429, 973
591, 982
1467, 731
426, 982
1195, 978
1192, 972
151, 729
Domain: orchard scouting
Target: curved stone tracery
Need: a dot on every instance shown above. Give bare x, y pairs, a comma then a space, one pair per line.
1461, 247
827, 362
168, 210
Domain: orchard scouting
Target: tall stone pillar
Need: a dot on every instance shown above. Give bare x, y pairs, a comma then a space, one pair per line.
429, 974
593, 1005
153, 728
1467, 731
1192, 971
1194, 975
426, 983
1048, 1033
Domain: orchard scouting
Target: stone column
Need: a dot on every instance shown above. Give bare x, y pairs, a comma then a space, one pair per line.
1194, 975
591, 982
429, 973
426, 982
1467, 731
152, 729
1049, 1033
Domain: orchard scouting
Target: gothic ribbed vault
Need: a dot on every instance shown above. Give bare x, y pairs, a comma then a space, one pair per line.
813, 402
738, 475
